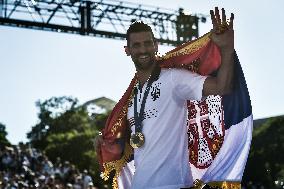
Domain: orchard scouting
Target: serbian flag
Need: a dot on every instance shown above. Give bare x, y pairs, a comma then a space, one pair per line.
219, 127
220, 133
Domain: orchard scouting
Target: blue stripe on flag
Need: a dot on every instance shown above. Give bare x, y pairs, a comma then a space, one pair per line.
237, 105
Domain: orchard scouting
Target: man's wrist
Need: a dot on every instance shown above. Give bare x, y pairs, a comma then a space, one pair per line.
227, 51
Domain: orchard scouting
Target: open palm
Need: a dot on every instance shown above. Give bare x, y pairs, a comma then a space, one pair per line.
222, 32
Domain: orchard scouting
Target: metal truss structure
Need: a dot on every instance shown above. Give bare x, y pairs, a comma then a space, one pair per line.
102, 18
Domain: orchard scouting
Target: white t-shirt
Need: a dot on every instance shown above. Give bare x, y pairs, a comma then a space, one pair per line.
162, 162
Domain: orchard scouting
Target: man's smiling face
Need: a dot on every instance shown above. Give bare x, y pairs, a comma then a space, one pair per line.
142, 49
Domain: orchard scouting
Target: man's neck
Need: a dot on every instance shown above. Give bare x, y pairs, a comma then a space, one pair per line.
143, 75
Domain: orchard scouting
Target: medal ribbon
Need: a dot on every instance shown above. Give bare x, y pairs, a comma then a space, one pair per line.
139, 117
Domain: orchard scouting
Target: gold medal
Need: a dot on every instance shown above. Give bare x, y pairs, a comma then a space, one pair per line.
137, 140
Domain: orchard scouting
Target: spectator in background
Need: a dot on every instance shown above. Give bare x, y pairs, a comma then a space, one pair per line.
87, 179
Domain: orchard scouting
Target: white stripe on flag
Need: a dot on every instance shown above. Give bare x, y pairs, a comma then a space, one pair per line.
230, 162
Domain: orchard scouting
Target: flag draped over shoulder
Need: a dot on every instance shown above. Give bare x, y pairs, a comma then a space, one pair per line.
218, 154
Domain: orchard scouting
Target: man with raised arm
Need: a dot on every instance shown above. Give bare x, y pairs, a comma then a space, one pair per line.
147, 138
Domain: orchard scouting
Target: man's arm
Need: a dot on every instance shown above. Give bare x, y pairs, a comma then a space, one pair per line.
222, 83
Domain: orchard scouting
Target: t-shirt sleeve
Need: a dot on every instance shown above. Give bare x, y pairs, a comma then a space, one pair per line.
187, 85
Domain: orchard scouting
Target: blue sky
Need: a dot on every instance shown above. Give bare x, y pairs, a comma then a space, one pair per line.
38, 65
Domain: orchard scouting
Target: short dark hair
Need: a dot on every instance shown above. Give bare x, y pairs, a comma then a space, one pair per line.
138, 26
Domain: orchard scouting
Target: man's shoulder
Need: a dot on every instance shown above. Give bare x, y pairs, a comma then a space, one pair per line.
176, 71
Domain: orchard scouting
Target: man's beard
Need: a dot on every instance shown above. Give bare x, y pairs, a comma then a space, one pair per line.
144, 65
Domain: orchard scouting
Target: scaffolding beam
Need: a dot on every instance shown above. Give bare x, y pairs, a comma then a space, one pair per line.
100, 18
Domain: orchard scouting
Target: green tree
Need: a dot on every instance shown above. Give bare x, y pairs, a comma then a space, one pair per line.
265, 163
67, 130
49, 110
3, 136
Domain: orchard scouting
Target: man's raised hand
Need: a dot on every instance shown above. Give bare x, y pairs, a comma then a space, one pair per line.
222, 32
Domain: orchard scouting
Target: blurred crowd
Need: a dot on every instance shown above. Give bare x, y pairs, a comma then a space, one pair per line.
22, 168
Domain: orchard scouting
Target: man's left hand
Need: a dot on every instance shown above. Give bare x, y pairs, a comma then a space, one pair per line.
222, 32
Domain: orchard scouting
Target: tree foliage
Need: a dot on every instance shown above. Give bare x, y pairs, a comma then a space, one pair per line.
265, 164
50, 120
3, 136
66, 130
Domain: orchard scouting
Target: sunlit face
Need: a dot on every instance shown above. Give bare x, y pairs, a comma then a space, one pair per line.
142, 49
